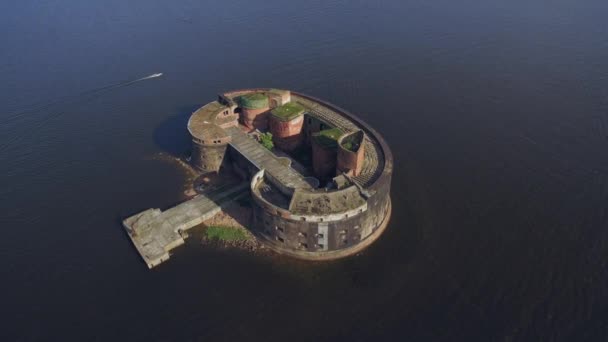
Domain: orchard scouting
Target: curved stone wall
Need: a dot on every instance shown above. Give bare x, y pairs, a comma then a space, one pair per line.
349, 161
287, 135
209, 140
208, 157
285, 129
255, 118
254, 110
319, 237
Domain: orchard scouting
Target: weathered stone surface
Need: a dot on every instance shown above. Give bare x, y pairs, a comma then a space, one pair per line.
208, 158
255, 118
154, 232
351, 153
263, 159
374, 160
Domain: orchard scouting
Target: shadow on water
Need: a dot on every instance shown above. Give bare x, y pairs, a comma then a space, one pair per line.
172, 134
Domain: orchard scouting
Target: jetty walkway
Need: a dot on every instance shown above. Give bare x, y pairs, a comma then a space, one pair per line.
154, 232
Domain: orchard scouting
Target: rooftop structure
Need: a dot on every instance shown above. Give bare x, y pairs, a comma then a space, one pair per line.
253, 101
288, 111
328, 137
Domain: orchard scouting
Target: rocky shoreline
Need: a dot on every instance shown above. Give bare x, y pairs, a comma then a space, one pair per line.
235, 216
250, 245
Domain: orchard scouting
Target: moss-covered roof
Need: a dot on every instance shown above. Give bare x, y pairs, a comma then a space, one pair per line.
328, 137
253, 101
323, 203
202, 123
288, 111
353, 141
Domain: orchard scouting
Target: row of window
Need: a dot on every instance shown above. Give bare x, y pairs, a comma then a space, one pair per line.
304, 234
204, 143
300, 234
302, 245
321, 219
318, 245
215, 157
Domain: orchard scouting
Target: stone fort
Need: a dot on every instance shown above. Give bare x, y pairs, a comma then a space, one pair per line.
322, 192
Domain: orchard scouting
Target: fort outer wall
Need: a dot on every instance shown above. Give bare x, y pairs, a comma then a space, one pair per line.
359, 229
255, 118
320, 237
209, 156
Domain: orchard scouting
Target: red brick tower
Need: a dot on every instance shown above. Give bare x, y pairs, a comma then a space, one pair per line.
254, 110
286, 124
351, 153
324, 153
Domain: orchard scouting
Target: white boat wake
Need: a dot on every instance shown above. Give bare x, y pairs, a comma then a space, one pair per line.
76, 97
57, 106
147, 77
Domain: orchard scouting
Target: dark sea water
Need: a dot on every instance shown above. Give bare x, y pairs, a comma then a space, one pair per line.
496, 112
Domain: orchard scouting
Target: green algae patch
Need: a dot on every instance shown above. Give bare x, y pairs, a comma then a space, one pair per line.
225, 234
328, 138
288, 111
350, 146
253, 101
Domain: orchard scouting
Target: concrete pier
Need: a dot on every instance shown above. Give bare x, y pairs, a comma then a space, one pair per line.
155, 233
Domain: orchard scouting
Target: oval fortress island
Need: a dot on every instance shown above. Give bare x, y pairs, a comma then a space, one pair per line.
322, 192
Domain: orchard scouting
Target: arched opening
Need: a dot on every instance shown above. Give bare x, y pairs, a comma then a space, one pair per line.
238, 111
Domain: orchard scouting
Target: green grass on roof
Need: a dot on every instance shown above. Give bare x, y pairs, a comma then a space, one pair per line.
328, 137
288, 111
253, 101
